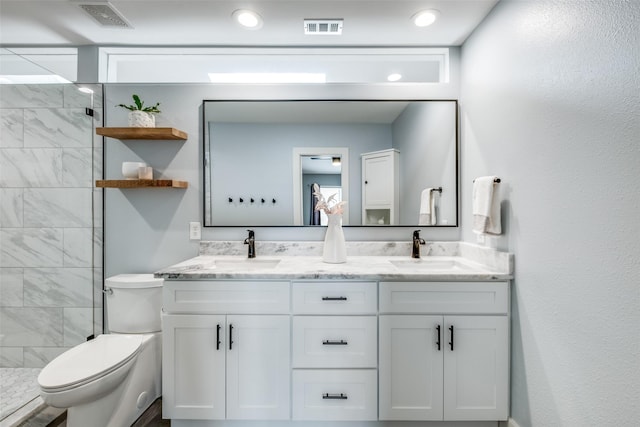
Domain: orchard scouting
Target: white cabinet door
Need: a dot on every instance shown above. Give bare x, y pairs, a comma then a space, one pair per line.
193, 367
411, 367
476, 369
378, 185
258, 367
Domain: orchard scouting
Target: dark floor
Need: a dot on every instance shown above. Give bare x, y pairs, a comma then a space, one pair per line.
152, 417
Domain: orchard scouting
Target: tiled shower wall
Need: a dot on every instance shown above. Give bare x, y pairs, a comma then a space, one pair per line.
50, 221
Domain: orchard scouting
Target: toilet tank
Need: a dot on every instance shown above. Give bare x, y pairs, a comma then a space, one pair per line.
134, 303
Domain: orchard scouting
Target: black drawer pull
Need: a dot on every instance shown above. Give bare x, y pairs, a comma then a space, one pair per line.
438, 342
341, 342
451, 342
334, 298
230, 336
335, 396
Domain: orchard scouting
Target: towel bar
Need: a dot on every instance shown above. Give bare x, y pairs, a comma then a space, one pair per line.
439, 190
497, 180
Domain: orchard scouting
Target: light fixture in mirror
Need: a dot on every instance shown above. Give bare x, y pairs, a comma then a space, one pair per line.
255, 151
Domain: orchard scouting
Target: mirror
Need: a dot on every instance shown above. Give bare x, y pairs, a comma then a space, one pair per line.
261, 159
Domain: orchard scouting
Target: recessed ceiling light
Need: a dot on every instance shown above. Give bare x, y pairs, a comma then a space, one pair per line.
394, 77
425, 18
247, 18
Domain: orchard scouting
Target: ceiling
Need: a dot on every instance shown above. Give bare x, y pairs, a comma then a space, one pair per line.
209, 23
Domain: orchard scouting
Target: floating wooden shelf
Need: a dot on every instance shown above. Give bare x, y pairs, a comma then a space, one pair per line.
141, 183
143, 133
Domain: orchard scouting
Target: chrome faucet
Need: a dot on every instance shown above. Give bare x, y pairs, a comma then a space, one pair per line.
251, 241
417, 241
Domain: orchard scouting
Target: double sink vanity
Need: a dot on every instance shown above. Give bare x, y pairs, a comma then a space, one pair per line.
286, 339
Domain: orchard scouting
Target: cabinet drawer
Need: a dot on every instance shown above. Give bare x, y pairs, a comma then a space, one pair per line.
334, 342
335, 298
335, 395
444, 297
228, 297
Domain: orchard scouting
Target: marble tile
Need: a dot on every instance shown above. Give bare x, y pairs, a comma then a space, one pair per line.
17, 167
18, 387
98, 155
97, 321
98, 236
98, 296
78, 247
31, 247
31, 96
73, 98
38, 357
11, 357
11, 287
11, 128
304, 248
11, 207
98, 195
57, 207
78, 325
57, 127
77, 167
31, 326
58, 287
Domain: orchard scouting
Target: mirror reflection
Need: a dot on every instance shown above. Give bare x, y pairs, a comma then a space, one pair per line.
263, 157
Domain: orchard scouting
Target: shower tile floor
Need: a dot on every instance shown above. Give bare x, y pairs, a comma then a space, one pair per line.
18, 386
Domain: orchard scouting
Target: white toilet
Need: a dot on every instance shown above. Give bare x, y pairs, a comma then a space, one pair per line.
111, 380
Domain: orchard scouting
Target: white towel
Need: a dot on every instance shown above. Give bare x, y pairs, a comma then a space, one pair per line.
486, 206
427, 208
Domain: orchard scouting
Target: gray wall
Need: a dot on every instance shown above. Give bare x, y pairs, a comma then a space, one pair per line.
550, 103
427, 158
147, 229
268, 148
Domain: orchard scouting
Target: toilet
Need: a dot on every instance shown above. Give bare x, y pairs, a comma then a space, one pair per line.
111, 380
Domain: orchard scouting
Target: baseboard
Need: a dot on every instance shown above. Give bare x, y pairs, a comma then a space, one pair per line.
509, 423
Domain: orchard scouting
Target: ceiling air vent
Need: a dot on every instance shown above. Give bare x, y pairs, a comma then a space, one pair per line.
323, 27
105, 14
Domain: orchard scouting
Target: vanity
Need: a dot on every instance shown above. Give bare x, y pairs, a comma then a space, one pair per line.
381, 340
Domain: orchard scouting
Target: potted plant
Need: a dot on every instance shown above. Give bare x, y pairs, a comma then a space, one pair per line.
139, 115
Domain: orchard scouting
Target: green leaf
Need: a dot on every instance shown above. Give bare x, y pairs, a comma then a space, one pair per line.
136, 99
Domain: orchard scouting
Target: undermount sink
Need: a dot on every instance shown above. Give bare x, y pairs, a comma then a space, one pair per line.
432, 264
246, 264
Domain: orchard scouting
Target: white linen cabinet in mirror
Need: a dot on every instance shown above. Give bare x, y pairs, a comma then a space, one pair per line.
380, 188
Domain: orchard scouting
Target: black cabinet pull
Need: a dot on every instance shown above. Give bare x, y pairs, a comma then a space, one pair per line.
438, 341
230, 336
341, 342
335, 396
451, 342
334, 298
218, 336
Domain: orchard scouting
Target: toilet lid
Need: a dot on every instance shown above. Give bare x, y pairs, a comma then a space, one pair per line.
89, 360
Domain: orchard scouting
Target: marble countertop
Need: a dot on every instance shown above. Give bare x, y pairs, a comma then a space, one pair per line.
453, 261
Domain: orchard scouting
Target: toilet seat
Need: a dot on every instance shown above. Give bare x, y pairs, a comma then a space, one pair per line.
89, 361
